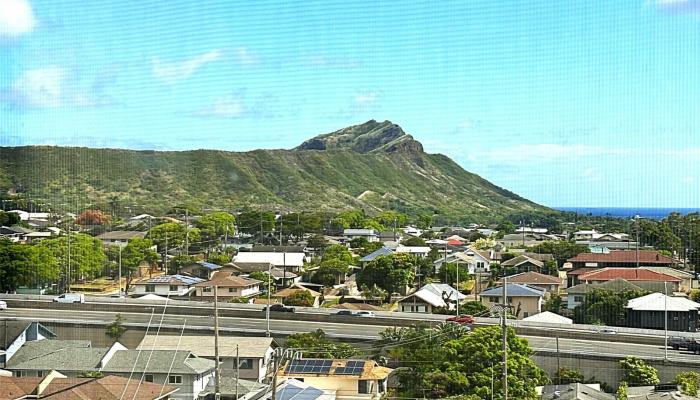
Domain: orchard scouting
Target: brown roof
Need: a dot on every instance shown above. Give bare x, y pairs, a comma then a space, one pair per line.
286, 292
248, 267
646, 257
533, 278
629, 274
105, 388
227, 279
579, 271
515, 261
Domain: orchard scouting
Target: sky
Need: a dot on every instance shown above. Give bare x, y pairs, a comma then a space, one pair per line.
567, 103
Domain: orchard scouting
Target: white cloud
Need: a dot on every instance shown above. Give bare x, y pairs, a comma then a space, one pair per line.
16, 18
51, 87
366, 98
173, 72
245, 57
679, 6
231, 106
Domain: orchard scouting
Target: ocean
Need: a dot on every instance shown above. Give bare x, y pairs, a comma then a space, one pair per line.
628, 212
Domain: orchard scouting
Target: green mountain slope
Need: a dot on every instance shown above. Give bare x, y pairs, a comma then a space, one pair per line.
373, 166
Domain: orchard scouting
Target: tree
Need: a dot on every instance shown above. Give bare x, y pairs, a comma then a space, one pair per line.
337, 252
638, 373
215, 226
330, 272
688, 382
25, 265
604, 306
93, 217
116, 329
484, 243
316, 345
252, 221
174, 234
137, 251
553, 304
457, 363
449, 273
219, 257
621, 393
562, 250
349, 219
373, 293
266, 279
87, 256
301, 298
371, 247
391, 272
567, 375
359, 242
317, 242
473, 308
413, 241
9, 219
390, 218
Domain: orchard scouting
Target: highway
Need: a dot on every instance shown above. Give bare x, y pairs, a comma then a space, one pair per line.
357, 331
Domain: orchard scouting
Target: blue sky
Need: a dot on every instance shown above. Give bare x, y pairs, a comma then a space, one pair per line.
568, 103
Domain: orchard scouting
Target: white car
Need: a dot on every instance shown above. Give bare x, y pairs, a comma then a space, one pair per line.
3, 305
366, 314
70, 298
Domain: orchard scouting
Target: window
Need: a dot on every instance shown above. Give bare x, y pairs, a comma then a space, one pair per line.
363, 387
245, 363
40, 374
207, 289
175, 379
173, 288
526, 314
148, 377
150, 288
578, 299
232, 290
19, 374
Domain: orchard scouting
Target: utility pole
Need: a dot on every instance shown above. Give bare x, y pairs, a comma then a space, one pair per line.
505, 337
665, 323
69, 266
636, 218
274, 376
394, 229
558, 364
457, 289
217, 368
165, 256
237, 370
119, 273
269, 303
261, 227
187, 231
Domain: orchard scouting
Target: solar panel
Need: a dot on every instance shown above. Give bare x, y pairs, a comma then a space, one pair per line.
353, 367
299, 366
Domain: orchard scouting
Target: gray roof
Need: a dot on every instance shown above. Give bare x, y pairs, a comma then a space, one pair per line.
158, 361
61, 355
203, 346
121, 235
382, 251
615, 285
228, 386
10, 330
513, 290
574, 391
516, 261
171, 280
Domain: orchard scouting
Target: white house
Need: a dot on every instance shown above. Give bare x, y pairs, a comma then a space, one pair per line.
167, 285
370, 234
476, 261
228, 286
291, 261
430, 296
418, 251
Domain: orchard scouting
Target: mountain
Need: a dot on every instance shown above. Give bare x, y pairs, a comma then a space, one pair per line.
374, 166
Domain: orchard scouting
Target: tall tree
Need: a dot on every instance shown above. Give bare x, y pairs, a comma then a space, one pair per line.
87, 256
317, 345
392, 272
25, 265
214, 227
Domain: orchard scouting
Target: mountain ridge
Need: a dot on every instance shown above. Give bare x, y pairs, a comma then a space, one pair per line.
374, 166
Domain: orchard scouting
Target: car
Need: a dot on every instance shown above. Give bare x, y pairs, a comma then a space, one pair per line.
279, 308
607, 331
680, 342
70, 298
366, 314
345, 312
462, 319
3, 305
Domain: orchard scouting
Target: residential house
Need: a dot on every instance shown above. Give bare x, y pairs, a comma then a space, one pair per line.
295, 389
350, 379
576, 295
647, 312
14, 334
228, 286
277, 249
644, 278
429, 297
658, 392
232, 388
36, 236
476, 261
548, 317
119, 238
418, 251
282, 278
282, 295
575, 391
523, 263
412, 231
688, 281
180, 369
167, 285
201, 269
622, 259
14, 233
549, 284
286, 261
584, 234
370, 234
522, 239
525, 300
253, 353
390, 236
55, 386
382, 251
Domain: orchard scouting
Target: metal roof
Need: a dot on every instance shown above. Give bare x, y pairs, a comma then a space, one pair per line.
513, 290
